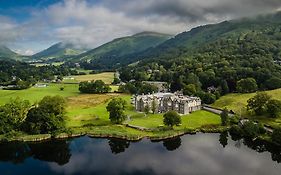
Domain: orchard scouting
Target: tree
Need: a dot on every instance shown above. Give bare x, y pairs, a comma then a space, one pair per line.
189, 89
247, 85
13, 114
224, 87
273, 83
258, 103
172, 118
276, 136
46, 117
250, 129
224, 117
116, 108
146, 109
94, 87
154, 106
273, 108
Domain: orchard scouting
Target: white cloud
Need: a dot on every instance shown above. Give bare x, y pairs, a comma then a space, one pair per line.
91, 24
27, 52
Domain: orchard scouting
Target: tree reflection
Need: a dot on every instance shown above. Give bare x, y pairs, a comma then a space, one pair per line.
262, 146
223, 138
118, 146
172, 144
14, 152
53, 151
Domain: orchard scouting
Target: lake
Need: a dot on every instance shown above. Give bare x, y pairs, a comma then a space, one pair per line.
210, 154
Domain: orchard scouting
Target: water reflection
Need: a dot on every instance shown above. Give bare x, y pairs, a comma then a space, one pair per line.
15, 153
51, 151
223, 139
55, 151
191, 154
172, 144
117, 145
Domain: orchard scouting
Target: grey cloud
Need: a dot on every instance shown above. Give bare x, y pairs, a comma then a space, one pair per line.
83, 23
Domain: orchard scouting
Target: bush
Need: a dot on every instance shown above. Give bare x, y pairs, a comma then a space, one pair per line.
273, 108
94, 87
258, 103
234, 120
273, 83
172, 118
247, 85
236, 130
224, 117
250, 130
276, 136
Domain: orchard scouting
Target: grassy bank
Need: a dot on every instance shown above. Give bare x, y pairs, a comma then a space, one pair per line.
86, 114
237, 103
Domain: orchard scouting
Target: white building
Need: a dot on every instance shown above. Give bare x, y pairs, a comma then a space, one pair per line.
164, 102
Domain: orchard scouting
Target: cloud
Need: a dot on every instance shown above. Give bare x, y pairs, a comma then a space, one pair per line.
198, 154
26, 52
92, 23
9, 30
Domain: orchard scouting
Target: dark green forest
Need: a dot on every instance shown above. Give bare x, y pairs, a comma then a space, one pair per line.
214, 58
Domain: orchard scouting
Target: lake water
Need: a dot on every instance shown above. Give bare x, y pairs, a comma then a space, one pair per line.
210, 154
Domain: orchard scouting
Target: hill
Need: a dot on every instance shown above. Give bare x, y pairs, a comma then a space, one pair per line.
58, 52
217, 55
6, 53
122, 50
192, 41
237, 103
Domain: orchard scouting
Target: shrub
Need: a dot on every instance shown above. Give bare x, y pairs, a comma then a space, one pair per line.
276, 136
172, 118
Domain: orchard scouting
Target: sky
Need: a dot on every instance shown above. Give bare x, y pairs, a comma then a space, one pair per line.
29, 26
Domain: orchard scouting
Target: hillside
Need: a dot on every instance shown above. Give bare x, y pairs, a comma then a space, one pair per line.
238, 102
192, 41
59, 51
6, 53
122, 50
217, 55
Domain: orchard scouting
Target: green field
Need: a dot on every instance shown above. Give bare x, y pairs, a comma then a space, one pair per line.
192, 121
238, 102
87, 113
36, 94
107, 77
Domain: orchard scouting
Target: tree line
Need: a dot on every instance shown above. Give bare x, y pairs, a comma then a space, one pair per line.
47, 116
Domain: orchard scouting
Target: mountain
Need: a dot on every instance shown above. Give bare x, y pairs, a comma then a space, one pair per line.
216, 55
6, 53
119, 51
192, 41
59, 51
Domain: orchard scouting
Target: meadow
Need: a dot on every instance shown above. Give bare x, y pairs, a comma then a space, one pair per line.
86, 113
107, 77
35, 94
238, 102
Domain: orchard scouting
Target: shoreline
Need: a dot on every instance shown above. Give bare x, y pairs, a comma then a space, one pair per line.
153, 136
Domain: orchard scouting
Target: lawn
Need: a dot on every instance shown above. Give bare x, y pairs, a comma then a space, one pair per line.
107, 77
91, 109
192, 121
36, 94
238, 102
